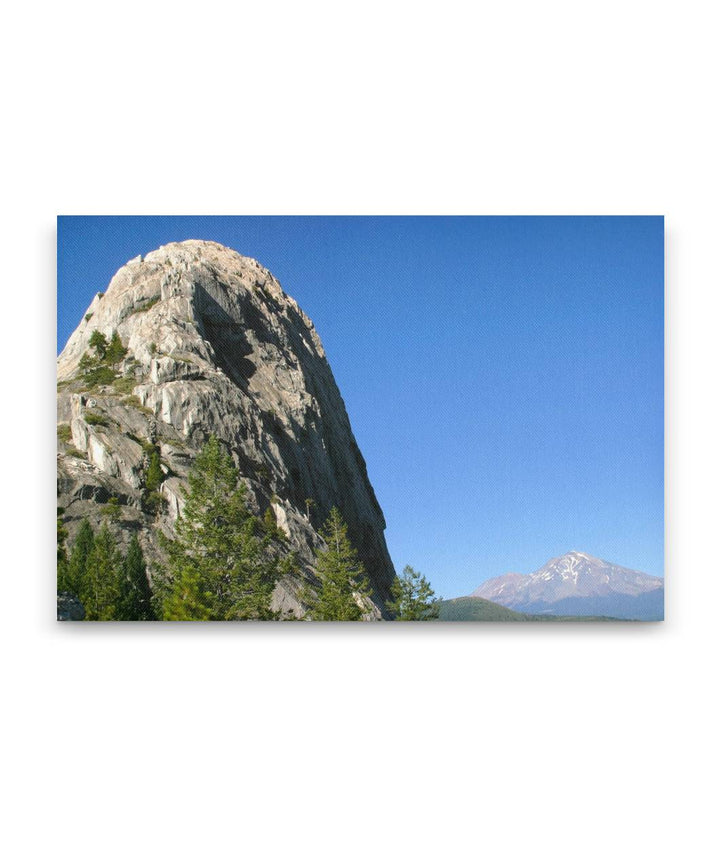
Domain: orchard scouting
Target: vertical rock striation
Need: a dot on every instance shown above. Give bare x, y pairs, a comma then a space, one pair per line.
214, 346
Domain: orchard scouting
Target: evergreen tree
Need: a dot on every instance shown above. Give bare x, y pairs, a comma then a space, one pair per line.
413, 598
220, 568
342, 576
154, 475
112, 508
87, 363
115, 351
63, 566
269, 520
99, 589
99, 343
78, 559
135, 601
271, 526
152, 499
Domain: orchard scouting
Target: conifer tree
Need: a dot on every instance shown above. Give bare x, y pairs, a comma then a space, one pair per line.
63, 565
135, 600
115, 351
78, 559
154, 475
269, 520
99, 589
87, 363
220, 568
152, 499
270, 525
99, 343
342, 576
413, 598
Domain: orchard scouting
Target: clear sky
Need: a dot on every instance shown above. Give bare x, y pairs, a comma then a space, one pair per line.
503, 375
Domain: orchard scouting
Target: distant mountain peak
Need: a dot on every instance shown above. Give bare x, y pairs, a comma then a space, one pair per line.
578, 583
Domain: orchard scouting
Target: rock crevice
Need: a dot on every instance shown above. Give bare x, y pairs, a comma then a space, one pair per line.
214, 346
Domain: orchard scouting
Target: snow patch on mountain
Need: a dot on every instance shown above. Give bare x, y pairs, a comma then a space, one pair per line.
578, 580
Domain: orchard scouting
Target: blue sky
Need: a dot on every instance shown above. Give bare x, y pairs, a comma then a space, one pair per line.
503, 375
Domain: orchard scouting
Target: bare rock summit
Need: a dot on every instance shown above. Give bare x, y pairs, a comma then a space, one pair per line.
213, 346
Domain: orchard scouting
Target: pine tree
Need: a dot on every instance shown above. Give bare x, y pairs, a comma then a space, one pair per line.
154, 475
269, 520
220, 568
99, 589
63, 565
343, 583
115, 351
78, 559
112, 508
87, 363
413, 598
152, 499
135, 598
270, 525
99, 343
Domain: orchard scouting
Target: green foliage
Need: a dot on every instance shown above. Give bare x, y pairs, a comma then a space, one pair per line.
270, 525
93, 373
153, 502
109, 586
99, 588
95, 418
135, 402
112, 508
153, 348
147, 305
99, 344
175, 443
100, 376
135, 598
479, 609
220, 568
97, 369
342, 576
115, 350
78, 559
88, 316
63, 565
125, 385
413, 598
87, 362
64, 433
269, 520
154, 475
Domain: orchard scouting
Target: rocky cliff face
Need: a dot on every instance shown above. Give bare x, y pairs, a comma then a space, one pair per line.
214, 346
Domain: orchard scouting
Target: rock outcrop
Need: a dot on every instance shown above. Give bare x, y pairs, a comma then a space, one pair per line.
69, 608
214, 346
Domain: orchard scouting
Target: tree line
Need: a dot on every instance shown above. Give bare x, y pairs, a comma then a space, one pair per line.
110, 586
224, 562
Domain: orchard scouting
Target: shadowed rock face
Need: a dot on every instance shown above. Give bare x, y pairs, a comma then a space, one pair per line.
214, 347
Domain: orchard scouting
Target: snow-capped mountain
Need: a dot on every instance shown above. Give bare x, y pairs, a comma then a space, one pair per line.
578, 584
